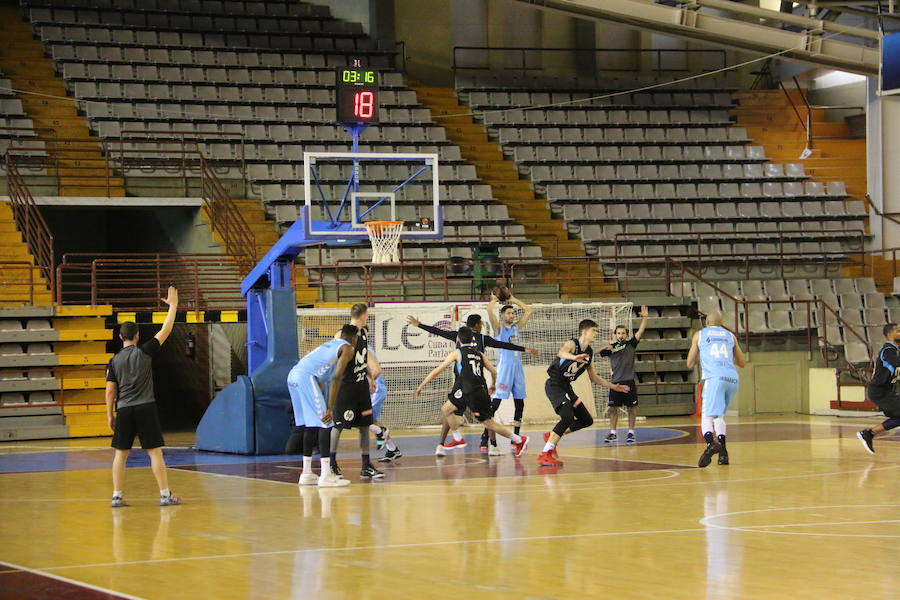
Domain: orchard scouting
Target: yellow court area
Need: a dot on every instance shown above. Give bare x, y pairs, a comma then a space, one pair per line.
801, 512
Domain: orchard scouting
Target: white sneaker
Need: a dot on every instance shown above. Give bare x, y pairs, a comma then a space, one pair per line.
308, 479
495, 451
329, 480
440, 450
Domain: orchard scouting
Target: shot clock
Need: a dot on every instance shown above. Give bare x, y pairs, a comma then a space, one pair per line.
357, 95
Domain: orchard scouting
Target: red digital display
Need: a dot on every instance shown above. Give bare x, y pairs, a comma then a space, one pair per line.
357, 95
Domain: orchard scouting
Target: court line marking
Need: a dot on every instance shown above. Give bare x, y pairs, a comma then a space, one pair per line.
378, 547
75, 582
706, 521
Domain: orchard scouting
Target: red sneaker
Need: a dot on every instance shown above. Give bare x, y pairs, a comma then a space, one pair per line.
547, 439
454, 444
519, 449
548, 460
483, 449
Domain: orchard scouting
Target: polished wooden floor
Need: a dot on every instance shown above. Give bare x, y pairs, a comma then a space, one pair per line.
802, 512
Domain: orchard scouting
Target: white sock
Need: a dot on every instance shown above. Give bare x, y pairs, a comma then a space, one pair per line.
375, 429
631, 431
457, 436
548, 447
165, 493
515, 438
117, 494
720, 425
390, 445
307, 465
325, 462
706, 424
612, 431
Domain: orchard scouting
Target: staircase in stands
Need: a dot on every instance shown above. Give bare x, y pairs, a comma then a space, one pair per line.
516, 193
81, 167
15, 280
771, 122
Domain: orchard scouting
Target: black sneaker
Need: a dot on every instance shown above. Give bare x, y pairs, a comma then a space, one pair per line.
630, 439
723, 453
380, 437
335, 469
370, 471
712, 447
390, 455
610, 438
866, 436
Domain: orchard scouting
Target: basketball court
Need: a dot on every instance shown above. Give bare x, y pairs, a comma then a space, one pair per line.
800, 508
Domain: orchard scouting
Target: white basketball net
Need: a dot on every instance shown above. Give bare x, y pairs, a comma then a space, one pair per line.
385, 238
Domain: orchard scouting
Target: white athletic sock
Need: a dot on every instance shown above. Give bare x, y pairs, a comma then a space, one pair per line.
307, 465
325, 463
706, 423
457, 436
165, 493
548, 447
117, 494
631, 431
720, 425
515, 438
613, 431
390, 445
375, 429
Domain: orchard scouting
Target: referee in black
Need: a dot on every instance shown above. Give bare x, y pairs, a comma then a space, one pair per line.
129, 390
880, 388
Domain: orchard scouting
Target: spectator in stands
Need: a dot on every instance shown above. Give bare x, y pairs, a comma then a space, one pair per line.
880, 389
131, 405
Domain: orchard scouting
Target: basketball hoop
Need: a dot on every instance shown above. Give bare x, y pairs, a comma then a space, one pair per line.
385, 238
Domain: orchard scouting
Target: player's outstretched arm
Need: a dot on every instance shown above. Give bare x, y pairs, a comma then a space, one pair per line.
494, 343
345, 355
566, 351
526, 310
172, 300
694, 352
451, 358
450, 335
645, 314
739, 358
597, 380
492, 313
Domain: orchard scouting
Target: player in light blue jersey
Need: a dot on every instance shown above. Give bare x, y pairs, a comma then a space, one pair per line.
307, 382
718, 352
510, 372
382, 433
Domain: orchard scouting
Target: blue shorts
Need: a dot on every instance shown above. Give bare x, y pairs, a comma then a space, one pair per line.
378, 404
510, 380
307, 398
717, 395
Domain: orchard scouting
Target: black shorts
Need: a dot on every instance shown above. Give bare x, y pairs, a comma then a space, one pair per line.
142, 421
629, 398
887, 402
477, 402
559, 394
353, 407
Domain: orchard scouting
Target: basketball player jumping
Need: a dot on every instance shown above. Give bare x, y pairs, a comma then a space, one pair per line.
350, 402
573, 359
718, 352
510, 372
880, 389
470, 390
482, 341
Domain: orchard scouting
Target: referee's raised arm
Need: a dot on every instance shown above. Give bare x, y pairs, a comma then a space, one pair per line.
172, 300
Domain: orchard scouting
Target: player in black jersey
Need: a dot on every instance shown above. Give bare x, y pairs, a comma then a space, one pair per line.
470, 390
573, 359
351, 405
482, 341
880, 389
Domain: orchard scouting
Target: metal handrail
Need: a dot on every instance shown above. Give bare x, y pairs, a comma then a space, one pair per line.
30, 222
227, 220
524, 49
807, 123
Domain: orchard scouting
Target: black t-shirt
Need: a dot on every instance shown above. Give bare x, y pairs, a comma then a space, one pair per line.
621, 359
887, 360
565, 371
357, 370
132, 372
470, 371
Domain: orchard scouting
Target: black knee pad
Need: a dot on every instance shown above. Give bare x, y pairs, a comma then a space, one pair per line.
495, 404
519, 404
310, 440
